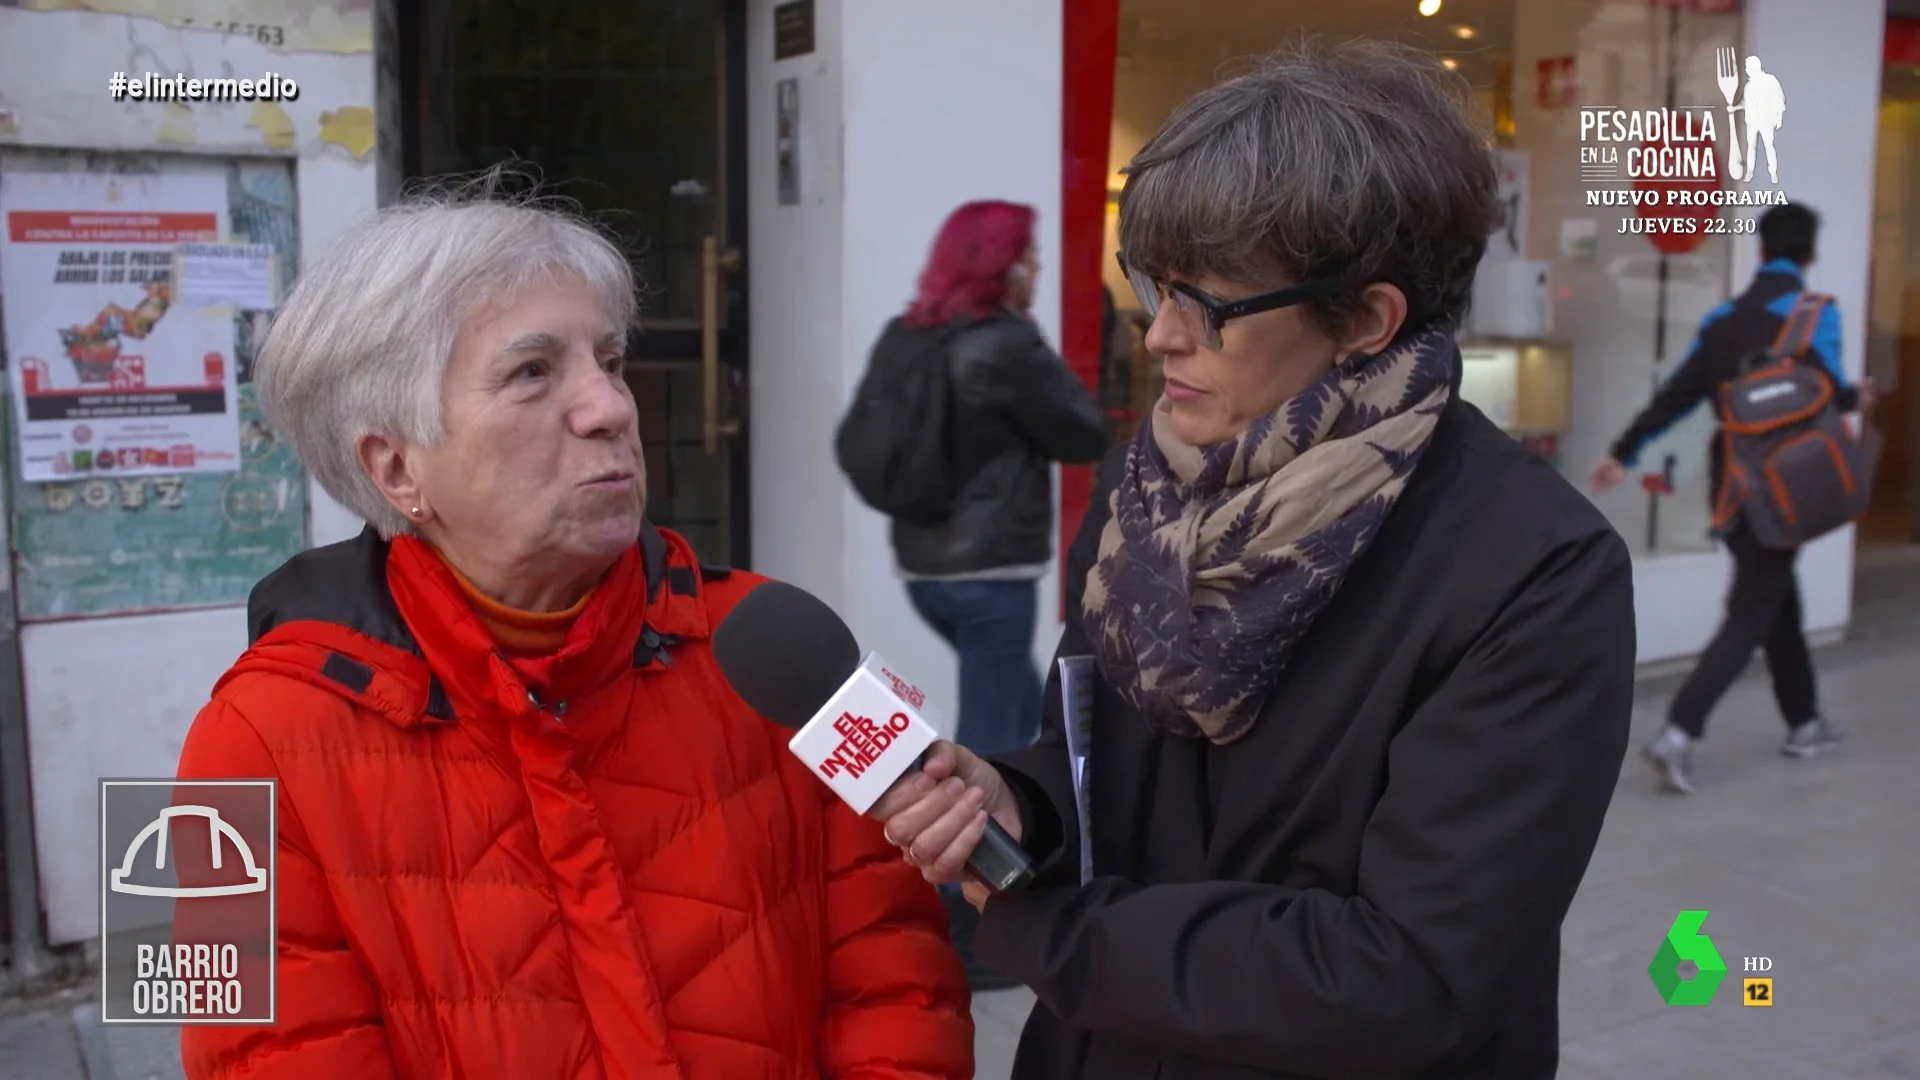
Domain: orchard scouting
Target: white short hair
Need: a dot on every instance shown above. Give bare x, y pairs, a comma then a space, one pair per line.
362, 342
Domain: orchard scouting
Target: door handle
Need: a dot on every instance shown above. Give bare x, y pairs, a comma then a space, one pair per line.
713, 262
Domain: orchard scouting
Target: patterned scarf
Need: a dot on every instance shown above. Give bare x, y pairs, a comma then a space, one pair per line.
1217, 559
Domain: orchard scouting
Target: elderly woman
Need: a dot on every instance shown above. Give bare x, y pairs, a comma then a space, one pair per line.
1364, 664
525, 830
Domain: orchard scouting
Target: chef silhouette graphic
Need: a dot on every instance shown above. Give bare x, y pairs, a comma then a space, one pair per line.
1765, 104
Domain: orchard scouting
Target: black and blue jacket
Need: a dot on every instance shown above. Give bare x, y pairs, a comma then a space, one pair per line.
1736, 328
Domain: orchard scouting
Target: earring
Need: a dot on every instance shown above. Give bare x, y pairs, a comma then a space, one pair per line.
416, 511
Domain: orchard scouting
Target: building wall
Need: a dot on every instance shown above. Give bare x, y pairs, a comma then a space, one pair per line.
1834, 114
801, 351
906, 112
54, 67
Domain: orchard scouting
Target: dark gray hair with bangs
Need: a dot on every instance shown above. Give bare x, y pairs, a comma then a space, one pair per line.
1355, 162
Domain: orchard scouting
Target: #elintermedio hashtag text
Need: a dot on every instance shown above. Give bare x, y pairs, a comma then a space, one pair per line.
152, 86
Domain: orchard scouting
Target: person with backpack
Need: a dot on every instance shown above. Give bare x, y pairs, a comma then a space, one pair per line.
1784, 469
952, 433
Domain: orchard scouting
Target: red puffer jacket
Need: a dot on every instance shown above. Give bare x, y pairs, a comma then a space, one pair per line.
636, 880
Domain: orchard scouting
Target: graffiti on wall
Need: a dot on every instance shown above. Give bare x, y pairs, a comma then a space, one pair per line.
335, 26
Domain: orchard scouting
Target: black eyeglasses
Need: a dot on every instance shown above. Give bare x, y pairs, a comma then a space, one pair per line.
1214, 312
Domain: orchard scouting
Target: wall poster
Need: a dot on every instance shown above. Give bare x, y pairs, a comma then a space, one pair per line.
110, 374
118, 542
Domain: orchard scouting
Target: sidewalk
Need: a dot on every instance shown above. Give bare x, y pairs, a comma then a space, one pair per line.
1809, 863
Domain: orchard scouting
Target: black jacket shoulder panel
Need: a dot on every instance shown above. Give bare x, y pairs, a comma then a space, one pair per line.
344, 583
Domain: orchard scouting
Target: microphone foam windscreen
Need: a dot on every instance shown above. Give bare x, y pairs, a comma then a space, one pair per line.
785, 652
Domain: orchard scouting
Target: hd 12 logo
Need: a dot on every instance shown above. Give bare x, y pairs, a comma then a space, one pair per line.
1688, 970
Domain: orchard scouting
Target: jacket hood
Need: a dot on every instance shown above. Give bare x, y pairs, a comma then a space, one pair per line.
330, 617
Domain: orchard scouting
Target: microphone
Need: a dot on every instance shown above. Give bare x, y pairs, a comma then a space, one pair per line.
857, 725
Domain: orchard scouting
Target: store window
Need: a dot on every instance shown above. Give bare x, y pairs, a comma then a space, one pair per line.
1578, 315
1893, 338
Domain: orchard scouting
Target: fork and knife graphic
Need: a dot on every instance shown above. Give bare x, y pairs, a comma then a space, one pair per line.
1726, 65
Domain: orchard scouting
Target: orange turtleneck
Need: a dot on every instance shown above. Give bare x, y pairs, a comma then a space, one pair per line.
523, 634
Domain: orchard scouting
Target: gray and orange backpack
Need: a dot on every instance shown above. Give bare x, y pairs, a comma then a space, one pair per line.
1795, 471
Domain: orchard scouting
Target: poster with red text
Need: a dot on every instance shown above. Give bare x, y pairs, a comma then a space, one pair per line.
110, 377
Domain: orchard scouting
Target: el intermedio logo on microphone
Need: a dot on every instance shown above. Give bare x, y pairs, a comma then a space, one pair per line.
864, 737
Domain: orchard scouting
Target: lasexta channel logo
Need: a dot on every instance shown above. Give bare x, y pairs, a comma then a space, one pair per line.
1685, 944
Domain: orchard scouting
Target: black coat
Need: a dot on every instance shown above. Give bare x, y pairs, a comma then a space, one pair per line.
1017, 410
1371, 882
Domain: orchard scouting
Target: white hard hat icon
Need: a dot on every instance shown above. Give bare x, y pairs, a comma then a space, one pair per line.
216, 828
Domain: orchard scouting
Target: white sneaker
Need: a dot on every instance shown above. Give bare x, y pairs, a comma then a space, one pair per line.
1671, 758
1811, 738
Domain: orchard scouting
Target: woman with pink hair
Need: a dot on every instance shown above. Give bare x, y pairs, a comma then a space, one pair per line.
973, 573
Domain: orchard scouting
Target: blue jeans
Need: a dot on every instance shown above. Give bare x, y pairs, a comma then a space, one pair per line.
990, 624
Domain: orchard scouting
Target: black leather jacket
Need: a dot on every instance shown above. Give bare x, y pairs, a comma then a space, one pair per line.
1017, 410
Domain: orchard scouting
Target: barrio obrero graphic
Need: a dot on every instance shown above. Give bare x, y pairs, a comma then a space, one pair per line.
187, 896
219, 833
1669, 165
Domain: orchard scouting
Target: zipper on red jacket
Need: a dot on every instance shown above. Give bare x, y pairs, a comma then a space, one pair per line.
557, 709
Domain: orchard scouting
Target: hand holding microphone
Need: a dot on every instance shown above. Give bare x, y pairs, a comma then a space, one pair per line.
858, 728
938, 817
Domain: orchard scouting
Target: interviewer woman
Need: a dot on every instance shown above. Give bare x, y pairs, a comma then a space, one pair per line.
525, 830
1365, 664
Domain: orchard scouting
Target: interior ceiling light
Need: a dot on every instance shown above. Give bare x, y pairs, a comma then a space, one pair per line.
1450, 63
1429, 8
1463, 32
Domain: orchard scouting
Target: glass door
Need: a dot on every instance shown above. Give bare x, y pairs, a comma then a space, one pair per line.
634, 109
1893, 334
